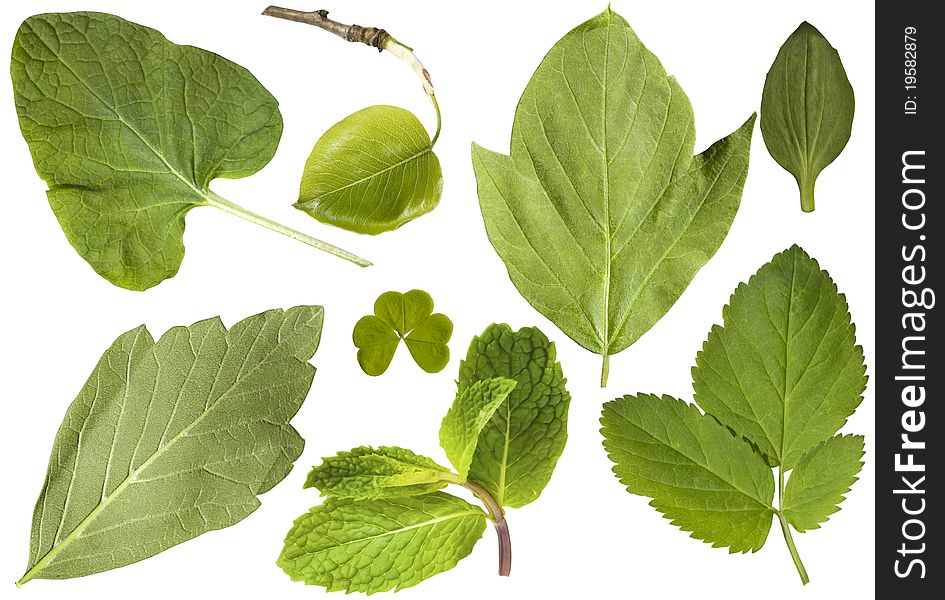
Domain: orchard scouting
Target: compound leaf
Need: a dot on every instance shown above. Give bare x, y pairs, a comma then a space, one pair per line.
366, 473
518, 449
701, 477
469, 415
783, 370
379, 545
407, 317
601, 213
170, 439
372, 172
820, 480
806, 108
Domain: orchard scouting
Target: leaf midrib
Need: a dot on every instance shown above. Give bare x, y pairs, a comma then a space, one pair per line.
412, 157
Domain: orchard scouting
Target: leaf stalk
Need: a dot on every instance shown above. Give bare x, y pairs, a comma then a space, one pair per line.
786, 531
498, 520
225, 205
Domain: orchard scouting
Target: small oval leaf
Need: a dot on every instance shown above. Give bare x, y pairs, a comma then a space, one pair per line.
806, 108
372, 172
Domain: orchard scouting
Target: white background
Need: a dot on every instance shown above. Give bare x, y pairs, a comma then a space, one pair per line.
586, 535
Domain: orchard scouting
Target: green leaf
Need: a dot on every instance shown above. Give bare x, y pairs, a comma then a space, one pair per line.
701, 477
129, 130
367, 473
372, 172
407, 317
171, 439
464, 421
519, 447
601, 214
806, 108
379, 545
820, 480
784, 369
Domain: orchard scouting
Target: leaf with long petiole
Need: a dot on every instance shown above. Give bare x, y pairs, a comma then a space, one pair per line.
129, 129
375, 169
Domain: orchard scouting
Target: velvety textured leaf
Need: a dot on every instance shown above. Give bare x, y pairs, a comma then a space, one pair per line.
171, 439
372, 172
700, 476
806, 108
519, 447
387, 472
407, 317
469, 415
783, 370
379, 545
129, 129
820, 480
601, 212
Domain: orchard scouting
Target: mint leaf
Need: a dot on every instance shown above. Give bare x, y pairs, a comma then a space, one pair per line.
601, 213
806, 108
704, 479
776, 382
820, 480
519, 447
380, 545
172, 438
372, 172
129, 130
469, 415
407, 317
784, 369
366, 473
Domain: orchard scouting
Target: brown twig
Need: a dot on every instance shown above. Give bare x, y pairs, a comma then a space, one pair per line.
372, 36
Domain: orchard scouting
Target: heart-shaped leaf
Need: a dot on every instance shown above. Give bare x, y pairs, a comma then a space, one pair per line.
407, 317
372, 172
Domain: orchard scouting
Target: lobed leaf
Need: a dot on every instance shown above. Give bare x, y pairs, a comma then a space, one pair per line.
518, 449
601, 213
783, 370
380, 545
819, 481
170, 439
806, 108
366, 473
701, 477
372, 172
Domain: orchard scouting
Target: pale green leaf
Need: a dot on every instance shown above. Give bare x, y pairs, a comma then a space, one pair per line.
701, 477
407, 317
171, 439
783, 370
519, 447
367, 473
129, 130
372, 172
380, 545
806, 108
820, 480
464, 421
601, 212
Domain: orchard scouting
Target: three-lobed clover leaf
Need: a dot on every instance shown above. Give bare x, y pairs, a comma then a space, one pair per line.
408, 317
386, 524
776, 381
